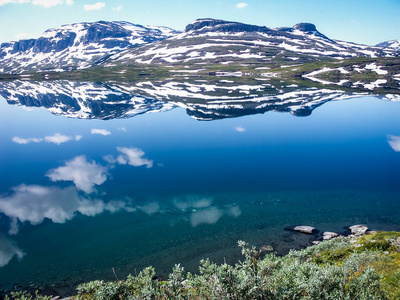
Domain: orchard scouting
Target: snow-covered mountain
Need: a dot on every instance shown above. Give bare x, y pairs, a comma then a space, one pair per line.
394, 44
223, 42
203, 100
76, 46
205, 41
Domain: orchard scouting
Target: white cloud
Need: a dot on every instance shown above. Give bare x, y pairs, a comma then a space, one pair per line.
21, 36
118, 8
78, 137
206, 216
26, 141
3, 2
133, 157
100, 131
34, 203
240, 129
96, 6
47, 3
85, 175
9, 249
394, 142
58, 139
121, 129
241, 5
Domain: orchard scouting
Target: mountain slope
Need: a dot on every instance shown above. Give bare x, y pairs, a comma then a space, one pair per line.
209, 41
394, 44
76, 46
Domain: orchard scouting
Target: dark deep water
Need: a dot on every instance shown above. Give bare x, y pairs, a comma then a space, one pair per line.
80, 196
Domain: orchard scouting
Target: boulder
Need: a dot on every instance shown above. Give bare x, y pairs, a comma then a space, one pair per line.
304, 229
267, 248
329, 235
358, 229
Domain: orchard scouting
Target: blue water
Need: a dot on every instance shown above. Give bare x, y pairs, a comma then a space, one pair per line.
164, 188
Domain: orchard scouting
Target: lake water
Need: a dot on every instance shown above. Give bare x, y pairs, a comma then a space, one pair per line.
95, 177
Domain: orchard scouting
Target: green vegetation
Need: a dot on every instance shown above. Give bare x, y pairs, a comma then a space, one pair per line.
342, 268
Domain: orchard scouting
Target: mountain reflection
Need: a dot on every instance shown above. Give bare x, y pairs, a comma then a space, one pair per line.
202, 99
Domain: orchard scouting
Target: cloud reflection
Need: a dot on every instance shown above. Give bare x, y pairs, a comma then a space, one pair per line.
9, 249
133, 157
150, 208
207, 216
55, 139
85, 175
100, 131
202, 210
22, 141
394, 142
34, 203
130, 156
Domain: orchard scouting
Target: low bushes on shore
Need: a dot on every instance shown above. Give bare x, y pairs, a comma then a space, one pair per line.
366, 267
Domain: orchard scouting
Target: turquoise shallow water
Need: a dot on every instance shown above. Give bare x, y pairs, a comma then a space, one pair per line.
79, 197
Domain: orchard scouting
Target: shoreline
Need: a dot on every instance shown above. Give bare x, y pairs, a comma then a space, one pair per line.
350, 232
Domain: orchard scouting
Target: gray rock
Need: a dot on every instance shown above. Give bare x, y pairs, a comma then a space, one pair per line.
316, 242
358, 229
304, 229
329, 235
268, 248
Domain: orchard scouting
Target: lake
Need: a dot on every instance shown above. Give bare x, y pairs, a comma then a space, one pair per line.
96, 176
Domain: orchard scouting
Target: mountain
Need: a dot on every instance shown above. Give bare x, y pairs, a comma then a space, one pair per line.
395, 44
206, 44
76, 46
203, 100
219, 42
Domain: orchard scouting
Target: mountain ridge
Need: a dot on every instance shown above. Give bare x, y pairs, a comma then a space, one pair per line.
204, 41
76, 46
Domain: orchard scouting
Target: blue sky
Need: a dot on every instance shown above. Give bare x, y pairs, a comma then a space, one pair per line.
362, 21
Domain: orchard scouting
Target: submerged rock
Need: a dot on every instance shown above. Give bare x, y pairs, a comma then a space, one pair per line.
358, 229
329, 235
304, 229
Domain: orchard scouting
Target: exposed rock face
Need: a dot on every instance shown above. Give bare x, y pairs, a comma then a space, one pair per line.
212, 25
329, 235
304, 229
358, 229
307, 27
